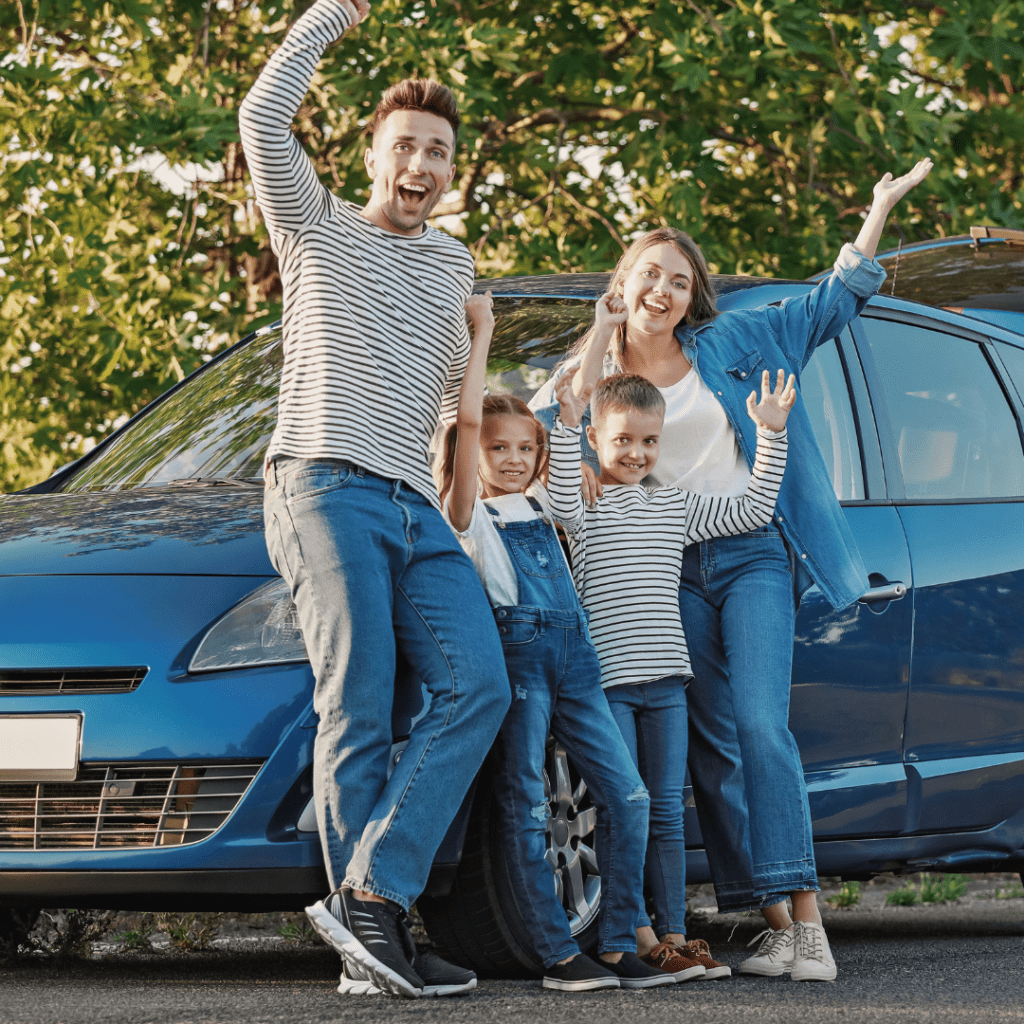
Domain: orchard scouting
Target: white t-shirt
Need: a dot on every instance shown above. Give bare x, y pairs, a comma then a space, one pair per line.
482, 542
698, 451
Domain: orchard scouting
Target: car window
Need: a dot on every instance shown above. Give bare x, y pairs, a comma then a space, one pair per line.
1013, 360
955, 433
825, 394
217, 427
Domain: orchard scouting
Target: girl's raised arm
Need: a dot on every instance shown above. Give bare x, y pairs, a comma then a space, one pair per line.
469, 417
886, 194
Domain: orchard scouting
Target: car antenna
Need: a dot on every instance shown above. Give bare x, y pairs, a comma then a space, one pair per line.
896, 269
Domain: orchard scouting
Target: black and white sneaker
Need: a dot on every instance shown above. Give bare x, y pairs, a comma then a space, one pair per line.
440, 978
372, 938
580, 974
632, 972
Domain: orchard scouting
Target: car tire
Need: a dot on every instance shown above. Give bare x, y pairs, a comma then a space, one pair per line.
16, 923
477, 924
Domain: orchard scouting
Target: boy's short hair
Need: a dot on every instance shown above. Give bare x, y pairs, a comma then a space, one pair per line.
628, 391
418, 94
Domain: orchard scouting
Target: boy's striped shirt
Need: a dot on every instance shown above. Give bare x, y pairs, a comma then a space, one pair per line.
627, 553
375, 335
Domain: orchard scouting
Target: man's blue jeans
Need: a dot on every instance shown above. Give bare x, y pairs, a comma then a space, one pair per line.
652, 719
374, 568
555, 675
737, 608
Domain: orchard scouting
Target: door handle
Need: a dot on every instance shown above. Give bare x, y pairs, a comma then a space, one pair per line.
889, 592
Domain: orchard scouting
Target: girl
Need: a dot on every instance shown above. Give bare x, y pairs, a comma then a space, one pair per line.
491, 458
737, 594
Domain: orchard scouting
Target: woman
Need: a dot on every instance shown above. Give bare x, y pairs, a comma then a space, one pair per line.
738, 594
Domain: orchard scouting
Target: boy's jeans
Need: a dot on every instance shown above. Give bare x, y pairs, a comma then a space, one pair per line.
555, 675
373, 567
737, 608
652, 719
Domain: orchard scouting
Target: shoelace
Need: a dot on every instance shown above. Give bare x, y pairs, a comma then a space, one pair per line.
662, 951
811, 945
772, 942
696, 947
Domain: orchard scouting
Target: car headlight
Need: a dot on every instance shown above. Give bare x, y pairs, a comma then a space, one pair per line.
263, 629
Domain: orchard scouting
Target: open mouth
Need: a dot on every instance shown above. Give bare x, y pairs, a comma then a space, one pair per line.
413, 194
654, 307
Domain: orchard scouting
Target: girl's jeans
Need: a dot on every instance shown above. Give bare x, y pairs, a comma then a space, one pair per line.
748, 783
374, 568
555, 676
652, 720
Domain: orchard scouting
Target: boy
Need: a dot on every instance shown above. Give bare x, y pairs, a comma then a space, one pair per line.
627, 554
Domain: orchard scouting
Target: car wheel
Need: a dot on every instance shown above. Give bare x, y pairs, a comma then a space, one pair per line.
477, 924
15, 925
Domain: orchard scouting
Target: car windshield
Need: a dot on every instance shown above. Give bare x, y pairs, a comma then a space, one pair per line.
214, 431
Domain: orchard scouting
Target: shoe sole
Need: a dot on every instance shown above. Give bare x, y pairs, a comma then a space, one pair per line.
714, 973
339, 938
766, 972
690, 974
579, 986
351, 987
665, 979
817, 973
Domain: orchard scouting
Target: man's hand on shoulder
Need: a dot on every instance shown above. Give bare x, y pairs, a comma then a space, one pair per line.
357, 9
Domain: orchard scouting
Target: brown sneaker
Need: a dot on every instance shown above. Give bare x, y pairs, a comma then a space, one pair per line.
675, 961
697, 950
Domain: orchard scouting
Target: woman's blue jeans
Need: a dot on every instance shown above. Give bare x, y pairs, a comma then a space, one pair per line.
373, 568
652, 720
555, 676
737, 607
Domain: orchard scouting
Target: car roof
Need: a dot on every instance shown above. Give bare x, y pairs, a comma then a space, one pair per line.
590, 286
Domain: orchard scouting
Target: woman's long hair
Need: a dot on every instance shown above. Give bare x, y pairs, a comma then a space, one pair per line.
702, 308
494, 405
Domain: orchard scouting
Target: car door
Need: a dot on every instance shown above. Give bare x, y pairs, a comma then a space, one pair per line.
951, 439
851, 668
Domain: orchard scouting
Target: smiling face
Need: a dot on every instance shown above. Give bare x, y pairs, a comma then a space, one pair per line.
508, 454
411, 166
626, 442
658, 290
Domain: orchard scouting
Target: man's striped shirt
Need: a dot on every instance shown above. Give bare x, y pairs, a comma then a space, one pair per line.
627, 553
375, 335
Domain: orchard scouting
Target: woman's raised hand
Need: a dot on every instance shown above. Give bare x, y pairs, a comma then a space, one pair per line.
889, 191
772, 411
572, 406
359, 8
480, 310
610, 311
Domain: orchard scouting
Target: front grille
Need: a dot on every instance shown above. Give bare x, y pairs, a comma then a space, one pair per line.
22, 681
122, 805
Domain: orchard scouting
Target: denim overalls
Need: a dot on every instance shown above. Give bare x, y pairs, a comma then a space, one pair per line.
555, 677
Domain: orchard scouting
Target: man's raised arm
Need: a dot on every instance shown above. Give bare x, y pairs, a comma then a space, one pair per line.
287, 188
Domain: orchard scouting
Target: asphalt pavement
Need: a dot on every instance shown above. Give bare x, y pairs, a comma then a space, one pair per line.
900, 965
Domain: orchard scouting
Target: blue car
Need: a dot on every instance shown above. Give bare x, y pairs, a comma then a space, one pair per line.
156, 722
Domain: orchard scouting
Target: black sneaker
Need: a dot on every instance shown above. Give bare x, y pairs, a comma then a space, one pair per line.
440, 978
580, 974
372, 938
632, 972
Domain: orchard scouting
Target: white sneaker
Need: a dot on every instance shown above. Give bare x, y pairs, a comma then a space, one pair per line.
812, 959
774, 956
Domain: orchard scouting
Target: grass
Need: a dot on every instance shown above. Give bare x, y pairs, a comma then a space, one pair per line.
848, 895
297, 931
943, 889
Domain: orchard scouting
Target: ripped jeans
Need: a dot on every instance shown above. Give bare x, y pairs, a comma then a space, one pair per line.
555, 677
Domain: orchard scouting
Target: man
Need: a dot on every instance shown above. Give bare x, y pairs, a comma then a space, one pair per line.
375, 343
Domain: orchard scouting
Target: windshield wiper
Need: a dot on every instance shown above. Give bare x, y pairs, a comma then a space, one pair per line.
217, 481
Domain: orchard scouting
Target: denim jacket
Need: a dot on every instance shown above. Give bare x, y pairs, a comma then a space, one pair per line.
729, 354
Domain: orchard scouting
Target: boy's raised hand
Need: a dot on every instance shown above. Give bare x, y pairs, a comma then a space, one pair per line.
572, 406
610, 311
480, 310
772, 411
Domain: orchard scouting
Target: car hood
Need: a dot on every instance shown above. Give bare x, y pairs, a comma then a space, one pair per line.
159, 531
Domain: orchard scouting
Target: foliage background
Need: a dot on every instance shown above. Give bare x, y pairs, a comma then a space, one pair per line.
759, 127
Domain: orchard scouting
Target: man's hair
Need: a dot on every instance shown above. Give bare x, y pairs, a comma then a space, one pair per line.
418, 94
626, 391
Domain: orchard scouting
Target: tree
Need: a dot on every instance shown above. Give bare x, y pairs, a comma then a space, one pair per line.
758, 127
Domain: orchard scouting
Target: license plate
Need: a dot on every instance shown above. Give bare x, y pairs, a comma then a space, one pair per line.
40, 748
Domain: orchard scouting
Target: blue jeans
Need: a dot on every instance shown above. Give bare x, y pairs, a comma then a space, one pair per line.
555, 676
737, 608
652, 720
373, 568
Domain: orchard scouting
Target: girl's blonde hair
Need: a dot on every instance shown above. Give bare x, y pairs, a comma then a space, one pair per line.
702, 307
494, 405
